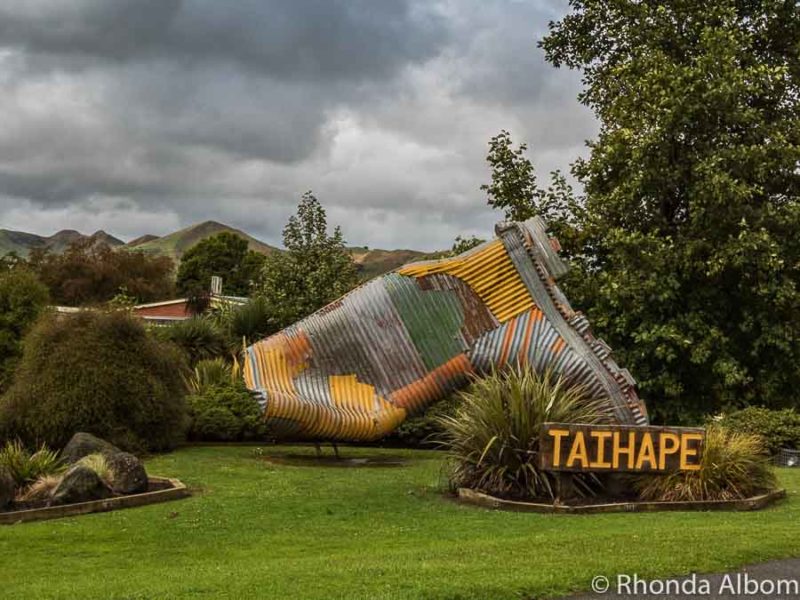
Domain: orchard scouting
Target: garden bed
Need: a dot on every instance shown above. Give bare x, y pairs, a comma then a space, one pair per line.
469, 496
159, 489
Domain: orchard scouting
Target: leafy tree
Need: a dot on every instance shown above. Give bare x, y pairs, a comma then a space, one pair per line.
461, 244
22, 299
690, 254
225, 255
514, 188
315, 269
88, 273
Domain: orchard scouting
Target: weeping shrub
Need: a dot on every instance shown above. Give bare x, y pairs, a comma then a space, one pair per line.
492, 438
734, 466
40, 490
97, 372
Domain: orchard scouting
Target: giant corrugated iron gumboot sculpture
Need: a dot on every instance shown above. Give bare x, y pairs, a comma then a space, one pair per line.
357, 368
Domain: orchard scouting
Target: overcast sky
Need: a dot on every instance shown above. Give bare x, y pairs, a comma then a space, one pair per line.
144, 116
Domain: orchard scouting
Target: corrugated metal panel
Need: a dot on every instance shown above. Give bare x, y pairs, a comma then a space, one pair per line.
355, 369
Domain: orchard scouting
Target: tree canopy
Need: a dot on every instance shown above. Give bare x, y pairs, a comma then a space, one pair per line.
88, 273
225, 255
514, 188
315, 269
688, 250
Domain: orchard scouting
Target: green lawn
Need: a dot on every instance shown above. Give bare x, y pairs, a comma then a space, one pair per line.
256, 530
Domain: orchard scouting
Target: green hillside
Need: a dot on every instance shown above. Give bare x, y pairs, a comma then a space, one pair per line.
22, 243
175, 244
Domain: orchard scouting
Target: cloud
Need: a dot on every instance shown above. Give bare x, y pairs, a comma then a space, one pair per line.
153, 114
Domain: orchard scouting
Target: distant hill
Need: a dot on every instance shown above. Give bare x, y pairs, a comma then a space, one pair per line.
175, 244
370, 262
142, 239
22, 243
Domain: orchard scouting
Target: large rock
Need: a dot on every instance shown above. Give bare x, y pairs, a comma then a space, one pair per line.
7, 487
129, 476
80, 484
83, 444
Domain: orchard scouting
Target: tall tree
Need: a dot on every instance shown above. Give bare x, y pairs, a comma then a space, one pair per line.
315, 269
88, 273
514, 189
691, 195
225, 255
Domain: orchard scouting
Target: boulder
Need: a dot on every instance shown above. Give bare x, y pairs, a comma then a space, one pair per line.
83, 444
7, 488
129, 476
128, 473
80, 484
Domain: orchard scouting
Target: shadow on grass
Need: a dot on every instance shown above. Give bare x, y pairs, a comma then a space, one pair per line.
296, 459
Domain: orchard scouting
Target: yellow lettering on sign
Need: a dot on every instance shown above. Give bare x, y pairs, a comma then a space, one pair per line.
687, 452
664, 449
647, 452
578, 451
600, 438
617, 449
557, 434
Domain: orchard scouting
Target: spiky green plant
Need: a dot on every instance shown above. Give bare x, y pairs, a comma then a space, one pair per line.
250, 321
200, 337
734, 466
26, 467
493, 436
208, 373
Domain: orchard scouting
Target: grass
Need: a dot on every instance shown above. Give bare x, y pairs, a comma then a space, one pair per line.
259, 530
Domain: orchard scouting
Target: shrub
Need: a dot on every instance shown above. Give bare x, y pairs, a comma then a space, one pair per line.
210, 372
225, 412
22, 299
199, 337
422, 431
733, 467
777, 428
493, 436
87, 273
101, 373
26, 467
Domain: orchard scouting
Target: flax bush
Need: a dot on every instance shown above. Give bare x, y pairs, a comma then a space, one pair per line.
492, 438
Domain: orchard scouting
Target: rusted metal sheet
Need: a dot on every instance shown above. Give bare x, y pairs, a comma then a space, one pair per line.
357, 368
583, 448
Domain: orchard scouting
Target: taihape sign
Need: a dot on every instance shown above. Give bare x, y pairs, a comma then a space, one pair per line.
575, 447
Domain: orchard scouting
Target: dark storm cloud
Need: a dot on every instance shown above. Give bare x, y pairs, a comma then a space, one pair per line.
317, 40
135, 114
